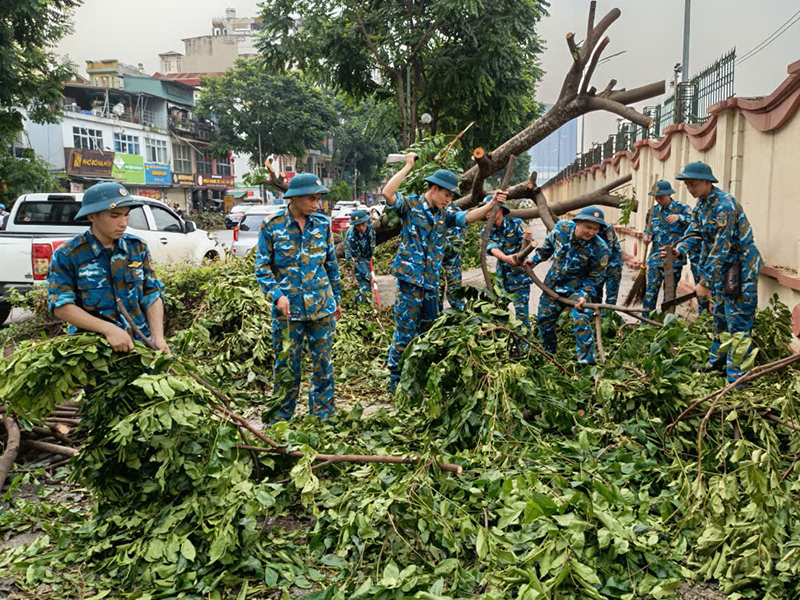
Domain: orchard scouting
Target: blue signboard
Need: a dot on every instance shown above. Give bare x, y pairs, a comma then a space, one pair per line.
157, 174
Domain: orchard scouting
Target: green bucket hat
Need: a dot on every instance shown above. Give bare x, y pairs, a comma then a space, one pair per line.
663, 188
697, 170
105, 196
358, 217
592, 214
305, 184
488, 199
445, 179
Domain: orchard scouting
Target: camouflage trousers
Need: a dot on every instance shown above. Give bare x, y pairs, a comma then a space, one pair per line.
546, 319
364, 282
655, 277
733, 315
319, 334
415, 310
702, 303
522, 298
611, 283
452, 279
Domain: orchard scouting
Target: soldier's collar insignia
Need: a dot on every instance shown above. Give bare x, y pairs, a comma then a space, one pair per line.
317, 235
135, 264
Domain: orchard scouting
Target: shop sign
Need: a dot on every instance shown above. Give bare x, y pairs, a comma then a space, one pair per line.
183, 179
157, 174
153, 193
215, 182
80, 161
128, 168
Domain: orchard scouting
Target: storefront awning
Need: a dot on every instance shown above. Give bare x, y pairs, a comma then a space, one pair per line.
237, 193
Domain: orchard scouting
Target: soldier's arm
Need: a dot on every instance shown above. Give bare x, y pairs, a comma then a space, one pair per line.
597, 271
726, 233
152, 286
694, 237
348, 243
389, 191
545, 251
332, 269
155, 318
264, 274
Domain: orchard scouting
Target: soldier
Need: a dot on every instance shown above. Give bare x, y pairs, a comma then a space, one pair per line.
580, 257
613, 275
451, 265
506, 239
359, 244
297, 270
418, 263
668, 221
89, 272
729, 261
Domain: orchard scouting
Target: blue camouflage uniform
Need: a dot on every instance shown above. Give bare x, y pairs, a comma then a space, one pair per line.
695, 255
84, 273
301, 265
577, 271
451, 267
662, 234
613, 275
508, 239
722, 232
417, 267
358, 249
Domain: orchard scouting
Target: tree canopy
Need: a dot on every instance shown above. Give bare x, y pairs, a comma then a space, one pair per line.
460, 61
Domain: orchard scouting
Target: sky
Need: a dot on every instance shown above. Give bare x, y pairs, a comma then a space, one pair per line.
649, 31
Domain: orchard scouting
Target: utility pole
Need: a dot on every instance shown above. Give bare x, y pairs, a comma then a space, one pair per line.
261, 164
687, 18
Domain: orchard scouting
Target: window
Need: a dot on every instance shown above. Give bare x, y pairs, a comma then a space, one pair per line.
126, 144
224, 166
203, 163
165, 220
138, 220
50, 213
183, 158
155, 150
91, 139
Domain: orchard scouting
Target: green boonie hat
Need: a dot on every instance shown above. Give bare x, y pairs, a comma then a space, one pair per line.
305, 184
663, 188
488, 199
592, 214
358, 217
697, 170
105, 196
445, 179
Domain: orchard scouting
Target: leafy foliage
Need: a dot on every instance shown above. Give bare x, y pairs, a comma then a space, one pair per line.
25, 175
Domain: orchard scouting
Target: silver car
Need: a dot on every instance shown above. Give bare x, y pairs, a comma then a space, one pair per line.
245, 235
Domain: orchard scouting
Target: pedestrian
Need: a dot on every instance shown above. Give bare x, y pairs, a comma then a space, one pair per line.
729, 263
297, 271
178, 210
4, 214
89, 272
666, 224
507, 238
359, 245
613, 275
418, 263
580, 258
451, 268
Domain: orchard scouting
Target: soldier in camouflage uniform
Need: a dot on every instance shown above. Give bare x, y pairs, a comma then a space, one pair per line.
721, 229
505, 240
451, 267
580, 257
418, 263
89, 272
359, 244
695, 255
667, 223
297, 270
613, 275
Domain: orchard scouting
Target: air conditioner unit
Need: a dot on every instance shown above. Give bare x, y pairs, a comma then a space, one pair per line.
97, 112
72, 108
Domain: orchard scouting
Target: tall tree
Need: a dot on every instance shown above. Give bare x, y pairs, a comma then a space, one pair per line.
458, 60
285, 114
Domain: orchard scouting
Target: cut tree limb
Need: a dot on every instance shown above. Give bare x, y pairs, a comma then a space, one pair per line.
600, 196
51, 448
12, 448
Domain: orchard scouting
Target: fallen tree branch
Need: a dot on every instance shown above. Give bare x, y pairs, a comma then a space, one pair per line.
601, 196
599, 332
51, 448
12, 448
487, 230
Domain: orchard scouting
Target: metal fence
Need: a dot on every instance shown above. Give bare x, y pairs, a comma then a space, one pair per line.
689, 103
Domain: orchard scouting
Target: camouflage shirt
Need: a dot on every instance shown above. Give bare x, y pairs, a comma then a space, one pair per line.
578, 266
453, 245
422, 239
84, 273
508, 239
663, 233
614, 249
722, 231
298, 264
358, 248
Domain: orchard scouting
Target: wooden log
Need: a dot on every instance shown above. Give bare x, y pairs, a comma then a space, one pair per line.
12, 448
51, 448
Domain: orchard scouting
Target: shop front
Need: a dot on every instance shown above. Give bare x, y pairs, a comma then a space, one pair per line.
209, 193
158, 179
86, 167
128, 169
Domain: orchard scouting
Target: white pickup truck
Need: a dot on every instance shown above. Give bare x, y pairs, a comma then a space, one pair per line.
39, 223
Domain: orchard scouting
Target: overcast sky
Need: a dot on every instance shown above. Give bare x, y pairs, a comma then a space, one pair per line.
650, 31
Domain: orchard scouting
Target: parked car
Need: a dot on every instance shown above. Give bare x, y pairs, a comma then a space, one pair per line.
245, 235
340, 219
233, 217
39, 223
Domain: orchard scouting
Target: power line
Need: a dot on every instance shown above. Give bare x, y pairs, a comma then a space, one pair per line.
771, 38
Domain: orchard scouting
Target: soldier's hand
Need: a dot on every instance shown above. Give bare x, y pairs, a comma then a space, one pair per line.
411, 158
119, 339
338, 312
702, 291
283, 305
510, 260
580, 302
161, 345
671, 219
647, 239
526, 235
675, 252
500, 197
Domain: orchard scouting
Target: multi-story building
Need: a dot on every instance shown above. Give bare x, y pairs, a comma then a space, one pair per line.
111, 73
